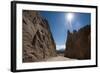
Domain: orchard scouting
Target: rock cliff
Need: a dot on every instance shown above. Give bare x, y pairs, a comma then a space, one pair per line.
38, 42
78, 44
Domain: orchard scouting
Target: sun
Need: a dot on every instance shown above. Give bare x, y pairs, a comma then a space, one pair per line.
70, 16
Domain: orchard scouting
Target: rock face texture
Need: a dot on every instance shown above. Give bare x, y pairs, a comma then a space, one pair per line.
38, 42
78, 44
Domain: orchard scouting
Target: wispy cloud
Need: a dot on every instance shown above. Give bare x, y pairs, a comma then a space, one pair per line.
60, 47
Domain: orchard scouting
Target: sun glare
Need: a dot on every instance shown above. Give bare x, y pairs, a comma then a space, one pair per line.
70, 16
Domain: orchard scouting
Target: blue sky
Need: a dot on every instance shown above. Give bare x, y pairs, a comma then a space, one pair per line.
59, 24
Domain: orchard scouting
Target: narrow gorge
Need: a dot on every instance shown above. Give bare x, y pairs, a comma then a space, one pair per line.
39, 43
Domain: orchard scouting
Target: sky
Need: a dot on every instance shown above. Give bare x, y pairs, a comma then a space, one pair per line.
61, 22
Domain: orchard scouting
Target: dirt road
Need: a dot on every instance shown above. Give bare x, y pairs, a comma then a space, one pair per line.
59, 58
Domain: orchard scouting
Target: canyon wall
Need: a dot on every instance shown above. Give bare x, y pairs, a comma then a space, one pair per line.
78, 44
38, 42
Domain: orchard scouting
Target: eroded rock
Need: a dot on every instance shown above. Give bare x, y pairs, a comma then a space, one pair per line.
78, 44
38, 42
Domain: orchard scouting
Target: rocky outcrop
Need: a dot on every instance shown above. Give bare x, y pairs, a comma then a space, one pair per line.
78, 44
38, 42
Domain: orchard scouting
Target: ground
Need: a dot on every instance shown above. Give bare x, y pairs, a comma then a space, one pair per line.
58, 58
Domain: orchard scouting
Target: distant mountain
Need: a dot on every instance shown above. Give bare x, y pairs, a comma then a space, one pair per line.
38, 42
61, 50
78, 44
